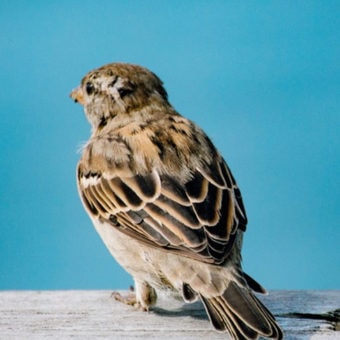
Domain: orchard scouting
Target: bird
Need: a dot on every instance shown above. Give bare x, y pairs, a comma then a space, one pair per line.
164, 201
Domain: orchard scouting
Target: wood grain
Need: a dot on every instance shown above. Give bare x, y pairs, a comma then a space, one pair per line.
96, 315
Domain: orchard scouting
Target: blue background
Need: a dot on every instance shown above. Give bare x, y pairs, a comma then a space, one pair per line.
262, 78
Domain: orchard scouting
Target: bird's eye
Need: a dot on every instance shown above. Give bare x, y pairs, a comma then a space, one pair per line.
89, 88
124, 91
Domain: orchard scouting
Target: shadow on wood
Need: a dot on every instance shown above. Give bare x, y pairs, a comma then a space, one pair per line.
332, 317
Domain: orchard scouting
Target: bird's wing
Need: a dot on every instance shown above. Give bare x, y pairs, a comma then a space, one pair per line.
198, 218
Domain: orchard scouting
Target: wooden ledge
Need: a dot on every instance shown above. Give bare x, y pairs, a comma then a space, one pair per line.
96, 315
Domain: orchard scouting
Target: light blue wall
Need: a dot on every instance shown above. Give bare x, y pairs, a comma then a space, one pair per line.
262, 78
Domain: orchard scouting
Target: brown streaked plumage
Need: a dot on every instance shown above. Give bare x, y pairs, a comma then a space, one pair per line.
164, 201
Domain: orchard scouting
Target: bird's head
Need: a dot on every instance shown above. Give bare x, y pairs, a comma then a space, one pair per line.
117, 89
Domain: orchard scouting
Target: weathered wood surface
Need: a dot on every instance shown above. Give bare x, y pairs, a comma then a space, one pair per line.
96, 315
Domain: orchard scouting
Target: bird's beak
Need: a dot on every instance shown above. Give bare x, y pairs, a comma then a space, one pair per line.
77, 95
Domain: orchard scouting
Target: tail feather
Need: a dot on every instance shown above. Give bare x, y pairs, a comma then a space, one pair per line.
223, 319
277, 333
242, 314
219, 320
254, 285
242, 330
242, 302
215, 313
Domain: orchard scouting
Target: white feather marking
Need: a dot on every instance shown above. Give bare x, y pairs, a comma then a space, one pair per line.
86, 182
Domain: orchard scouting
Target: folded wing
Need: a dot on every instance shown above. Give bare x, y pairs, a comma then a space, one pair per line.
198, 218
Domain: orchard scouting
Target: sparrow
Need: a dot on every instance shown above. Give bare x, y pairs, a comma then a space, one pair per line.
164, 201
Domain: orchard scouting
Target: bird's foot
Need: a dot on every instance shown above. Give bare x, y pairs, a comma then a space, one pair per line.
129, 299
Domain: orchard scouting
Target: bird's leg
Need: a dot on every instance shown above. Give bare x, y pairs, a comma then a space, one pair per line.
144, 297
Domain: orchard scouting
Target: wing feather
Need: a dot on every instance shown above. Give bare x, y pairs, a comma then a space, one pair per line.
144, 225
154, 221
213, 174
146, 187
197, 218
126, 194
92, 197
192, 238
174, 191
208, 210
105, 200
115, 193
197, 188
109, 196
183, 214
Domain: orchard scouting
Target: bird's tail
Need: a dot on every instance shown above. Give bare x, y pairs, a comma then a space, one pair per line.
238, 311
